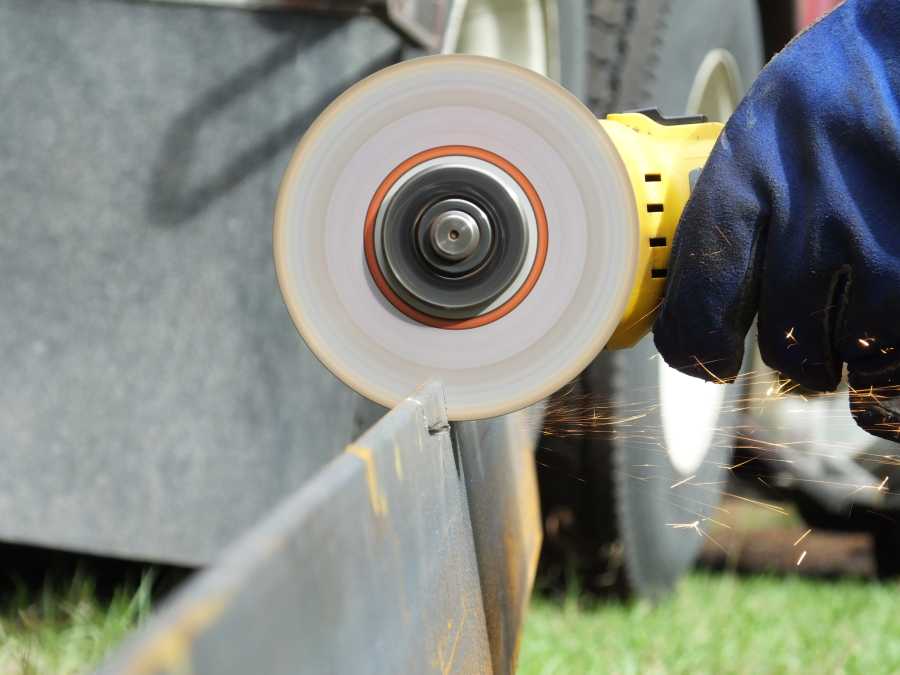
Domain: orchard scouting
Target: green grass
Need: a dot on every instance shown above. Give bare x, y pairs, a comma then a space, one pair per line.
719, 623
715, 623
66, 630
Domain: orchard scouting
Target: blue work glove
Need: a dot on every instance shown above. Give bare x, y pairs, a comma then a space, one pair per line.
796, 218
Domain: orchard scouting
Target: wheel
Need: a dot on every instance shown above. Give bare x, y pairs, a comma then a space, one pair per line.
627, 501
886, 550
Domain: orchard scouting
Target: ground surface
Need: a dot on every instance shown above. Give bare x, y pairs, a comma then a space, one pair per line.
751, 609
65, 628
717, 623
721, 623
773, 596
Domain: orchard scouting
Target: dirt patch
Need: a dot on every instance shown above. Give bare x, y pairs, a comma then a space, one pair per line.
745, 545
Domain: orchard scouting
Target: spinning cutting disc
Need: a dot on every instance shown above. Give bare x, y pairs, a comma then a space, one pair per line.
457, 218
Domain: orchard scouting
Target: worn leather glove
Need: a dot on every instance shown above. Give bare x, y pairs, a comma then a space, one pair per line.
796, 218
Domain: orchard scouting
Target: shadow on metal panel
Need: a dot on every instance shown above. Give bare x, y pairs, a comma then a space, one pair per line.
153, 385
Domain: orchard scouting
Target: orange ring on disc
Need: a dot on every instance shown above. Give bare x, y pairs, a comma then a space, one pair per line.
496, 313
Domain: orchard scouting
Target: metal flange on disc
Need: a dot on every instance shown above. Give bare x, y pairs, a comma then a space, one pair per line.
457, 218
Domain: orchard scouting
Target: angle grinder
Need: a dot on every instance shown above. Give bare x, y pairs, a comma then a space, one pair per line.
465, 219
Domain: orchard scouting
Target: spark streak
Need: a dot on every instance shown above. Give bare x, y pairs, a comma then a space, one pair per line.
792, 340
772, 507
802, 537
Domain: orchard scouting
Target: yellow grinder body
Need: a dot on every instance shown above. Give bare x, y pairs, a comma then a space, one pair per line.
463, 219
663, 158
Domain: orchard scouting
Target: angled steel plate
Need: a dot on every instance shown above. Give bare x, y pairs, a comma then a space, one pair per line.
369, 568
498, 461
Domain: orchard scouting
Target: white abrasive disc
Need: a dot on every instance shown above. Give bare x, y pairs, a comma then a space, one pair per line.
537, 127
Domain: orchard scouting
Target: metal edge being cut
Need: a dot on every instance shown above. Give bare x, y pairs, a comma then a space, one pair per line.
456, 100
412, 552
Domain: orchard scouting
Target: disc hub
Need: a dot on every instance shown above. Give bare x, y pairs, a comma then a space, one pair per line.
452, 235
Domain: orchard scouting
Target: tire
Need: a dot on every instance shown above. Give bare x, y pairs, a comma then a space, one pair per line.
886, 551
608, 499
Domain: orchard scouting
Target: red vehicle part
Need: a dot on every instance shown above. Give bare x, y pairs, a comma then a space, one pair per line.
810, 10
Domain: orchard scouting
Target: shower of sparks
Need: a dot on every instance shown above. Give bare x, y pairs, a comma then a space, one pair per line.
789, 336
695, 526
643, 479
683, 481
881, 488
719, 523
866, 342
800, 559
771, 507
780, 388
643, 316
782, 392
633, 417
686, 526
716, 378
802, 537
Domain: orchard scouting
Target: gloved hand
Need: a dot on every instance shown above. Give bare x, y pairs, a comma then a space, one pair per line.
796, 217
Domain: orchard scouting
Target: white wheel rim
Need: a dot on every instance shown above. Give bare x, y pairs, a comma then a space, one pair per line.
518, 31
717, 87
690, 406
